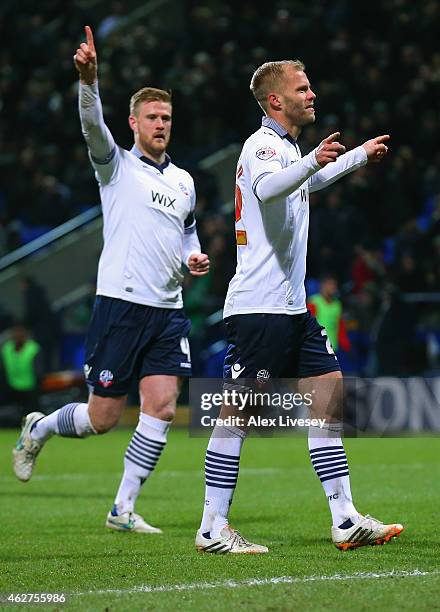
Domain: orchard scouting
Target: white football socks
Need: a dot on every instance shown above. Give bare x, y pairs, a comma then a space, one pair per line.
330, 464
221, 473
141, 456
70, 421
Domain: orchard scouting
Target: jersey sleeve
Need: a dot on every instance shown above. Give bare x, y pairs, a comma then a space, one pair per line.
273, 175
264, 156
104, 154
190, 221
348, 162
191, 243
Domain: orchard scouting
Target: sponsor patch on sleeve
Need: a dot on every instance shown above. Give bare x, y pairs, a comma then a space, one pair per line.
241, 237
265, 153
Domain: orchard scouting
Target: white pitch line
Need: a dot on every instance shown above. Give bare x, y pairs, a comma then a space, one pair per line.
66, 477
160, 474
180, 473
251, 582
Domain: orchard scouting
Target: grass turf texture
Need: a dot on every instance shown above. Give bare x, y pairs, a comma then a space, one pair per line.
53, 537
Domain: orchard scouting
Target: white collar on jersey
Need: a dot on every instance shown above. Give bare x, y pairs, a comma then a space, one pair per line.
272, 124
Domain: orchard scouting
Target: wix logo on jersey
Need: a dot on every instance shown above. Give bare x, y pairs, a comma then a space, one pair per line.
163, 199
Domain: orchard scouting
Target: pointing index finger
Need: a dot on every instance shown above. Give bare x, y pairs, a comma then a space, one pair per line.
332, 137
382, 138
89, 36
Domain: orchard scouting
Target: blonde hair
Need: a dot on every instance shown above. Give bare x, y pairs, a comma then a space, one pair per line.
148, 94
268, 76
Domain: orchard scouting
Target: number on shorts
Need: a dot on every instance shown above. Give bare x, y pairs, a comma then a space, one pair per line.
184, 345
328, 345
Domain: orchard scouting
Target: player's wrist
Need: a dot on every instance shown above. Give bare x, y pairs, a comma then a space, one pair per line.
88, 78
88, 81
363, 153
312, 157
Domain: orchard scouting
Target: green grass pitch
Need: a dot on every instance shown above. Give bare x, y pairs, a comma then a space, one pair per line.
53, 539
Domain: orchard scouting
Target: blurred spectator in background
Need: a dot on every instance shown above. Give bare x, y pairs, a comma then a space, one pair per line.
335, 227
410, 278
368, 268
396, 353
111, 22
327, 309
21, 371
41, 320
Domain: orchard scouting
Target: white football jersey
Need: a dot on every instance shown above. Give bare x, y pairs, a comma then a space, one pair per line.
271, 238
147, 209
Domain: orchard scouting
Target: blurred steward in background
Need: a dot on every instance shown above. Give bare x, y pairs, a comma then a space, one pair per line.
21, 370
327, 308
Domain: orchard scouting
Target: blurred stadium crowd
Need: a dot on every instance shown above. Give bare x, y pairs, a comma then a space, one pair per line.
375, 68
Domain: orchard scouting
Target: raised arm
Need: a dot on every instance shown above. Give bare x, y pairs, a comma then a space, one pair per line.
281, 183
102, 147
372, 151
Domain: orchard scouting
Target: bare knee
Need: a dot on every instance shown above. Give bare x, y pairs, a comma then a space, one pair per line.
105, 412
327, 393
159, 395
164, 412
102, 424
337, 375
163, 408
